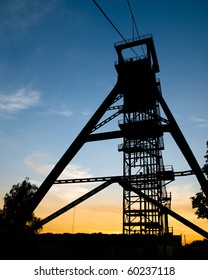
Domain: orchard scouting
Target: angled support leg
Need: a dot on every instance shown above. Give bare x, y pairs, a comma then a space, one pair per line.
80, 140
184, 147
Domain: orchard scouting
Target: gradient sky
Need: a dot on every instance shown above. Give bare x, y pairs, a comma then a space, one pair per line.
57, 66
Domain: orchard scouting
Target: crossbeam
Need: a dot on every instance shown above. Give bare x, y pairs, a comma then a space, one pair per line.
127, 186
109, 178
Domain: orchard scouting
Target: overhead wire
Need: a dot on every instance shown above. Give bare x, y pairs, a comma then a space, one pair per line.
105, 15
109, 20
134, 25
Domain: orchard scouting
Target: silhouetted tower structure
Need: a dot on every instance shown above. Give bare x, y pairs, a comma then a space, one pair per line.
146, 204
143, 142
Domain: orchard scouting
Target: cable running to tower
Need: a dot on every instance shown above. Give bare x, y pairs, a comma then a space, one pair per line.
105, 15
134, 25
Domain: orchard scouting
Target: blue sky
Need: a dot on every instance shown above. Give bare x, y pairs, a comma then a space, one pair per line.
57, 66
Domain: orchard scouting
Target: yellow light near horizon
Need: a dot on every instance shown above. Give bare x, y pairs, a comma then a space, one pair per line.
87, 220
103, 213
109, 221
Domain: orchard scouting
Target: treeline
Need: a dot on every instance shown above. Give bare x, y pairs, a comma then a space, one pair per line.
93, 246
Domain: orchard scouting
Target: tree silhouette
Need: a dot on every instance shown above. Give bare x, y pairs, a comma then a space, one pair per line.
205, 167
14, 202
200, 201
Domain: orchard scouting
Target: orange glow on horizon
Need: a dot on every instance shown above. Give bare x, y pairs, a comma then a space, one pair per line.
109, 221
103, 213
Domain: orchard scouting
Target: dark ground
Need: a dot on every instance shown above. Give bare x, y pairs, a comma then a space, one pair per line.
101, 247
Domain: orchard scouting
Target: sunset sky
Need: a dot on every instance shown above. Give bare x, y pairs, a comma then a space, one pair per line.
57, 66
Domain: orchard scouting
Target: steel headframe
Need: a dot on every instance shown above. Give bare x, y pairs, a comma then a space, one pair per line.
142, 129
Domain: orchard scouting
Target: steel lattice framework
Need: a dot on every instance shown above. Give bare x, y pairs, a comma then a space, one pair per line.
146, 203
142, 146
142, 155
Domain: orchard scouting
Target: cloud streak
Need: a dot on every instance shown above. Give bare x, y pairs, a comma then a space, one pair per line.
200, 121
17, 16
62, 112
40, 163
19, 100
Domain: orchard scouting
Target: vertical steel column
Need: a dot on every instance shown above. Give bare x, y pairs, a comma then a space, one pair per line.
142, 156
142, 143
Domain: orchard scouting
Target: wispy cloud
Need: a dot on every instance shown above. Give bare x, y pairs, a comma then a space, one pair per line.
18, 15
86, 113
41, 164
200, 121
19, 100
62, 112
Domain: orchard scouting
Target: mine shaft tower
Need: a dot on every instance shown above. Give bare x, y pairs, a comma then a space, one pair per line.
137, 100
142, 145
